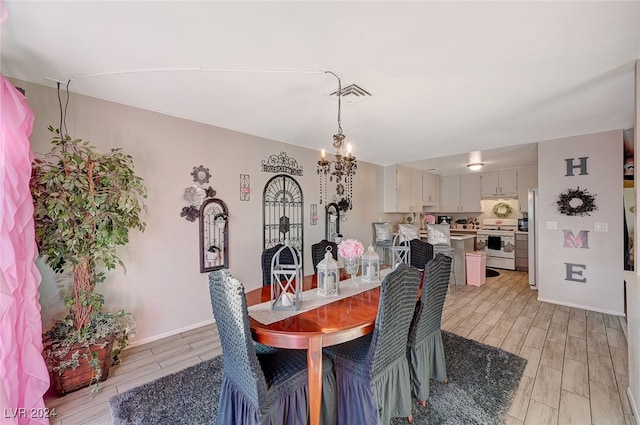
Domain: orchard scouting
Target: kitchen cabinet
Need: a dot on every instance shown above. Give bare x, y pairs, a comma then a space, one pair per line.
522, 251
500, 183
402, 189
527, 179
460, 193
430, 192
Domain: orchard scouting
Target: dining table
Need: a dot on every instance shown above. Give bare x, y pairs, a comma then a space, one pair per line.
329, 324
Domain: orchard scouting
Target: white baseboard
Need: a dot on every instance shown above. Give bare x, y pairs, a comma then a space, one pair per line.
135, 342
634, 407
597, 310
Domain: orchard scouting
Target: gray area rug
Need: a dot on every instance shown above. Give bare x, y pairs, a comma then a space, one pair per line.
482, 383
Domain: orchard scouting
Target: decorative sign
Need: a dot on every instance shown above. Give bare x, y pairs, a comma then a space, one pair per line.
245, 188
573, 272
580, 241
314, 214
576, 202
281, 163
582, 166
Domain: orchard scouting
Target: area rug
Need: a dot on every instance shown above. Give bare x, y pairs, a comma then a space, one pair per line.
482, 383
492, 273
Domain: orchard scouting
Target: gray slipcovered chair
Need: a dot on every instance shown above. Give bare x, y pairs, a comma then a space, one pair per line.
261, 385
425, 349
372, 372
421, 253
319, 249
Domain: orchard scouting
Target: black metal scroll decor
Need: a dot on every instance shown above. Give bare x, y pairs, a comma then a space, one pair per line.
281, 163
214, 235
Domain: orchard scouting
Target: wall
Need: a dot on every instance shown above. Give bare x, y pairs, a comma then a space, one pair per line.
599, 262
163, 286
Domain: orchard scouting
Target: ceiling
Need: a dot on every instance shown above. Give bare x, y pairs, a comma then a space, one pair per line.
445, 78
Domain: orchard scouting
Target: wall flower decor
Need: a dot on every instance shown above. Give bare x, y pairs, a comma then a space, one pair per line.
576, 202
201, 175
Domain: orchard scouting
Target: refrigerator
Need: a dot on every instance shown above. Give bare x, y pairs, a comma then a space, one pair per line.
533, 238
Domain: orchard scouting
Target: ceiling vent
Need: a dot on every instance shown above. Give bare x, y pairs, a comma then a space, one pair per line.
352, 94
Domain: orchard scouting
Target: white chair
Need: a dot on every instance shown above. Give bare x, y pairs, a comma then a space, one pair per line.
400, 251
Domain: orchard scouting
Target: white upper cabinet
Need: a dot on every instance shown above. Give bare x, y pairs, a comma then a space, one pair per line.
430, 191
499, 183
402, 189
460, 193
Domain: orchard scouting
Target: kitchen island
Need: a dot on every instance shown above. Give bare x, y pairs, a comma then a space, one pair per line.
461, 245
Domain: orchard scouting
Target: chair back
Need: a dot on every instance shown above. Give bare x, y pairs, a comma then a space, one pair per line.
421, 253
428, 314
400, 251
382, 233
319, 249
398, 293
241, 365
267, 256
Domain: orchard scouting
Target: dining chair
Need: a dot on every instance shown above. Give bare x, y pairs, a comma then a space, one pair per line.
372, 372
400, 250
421, 253
425, 350
261, 385
267, 256
319, 249
383, 237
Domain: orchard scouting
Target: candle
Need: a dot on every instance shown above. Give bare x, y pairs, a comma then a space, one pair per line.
371, 273
329, 282
286, 299
322, 151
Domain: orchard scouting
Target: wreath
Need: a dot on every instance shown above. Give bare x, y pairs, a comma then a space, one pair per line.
502, 210
587, 204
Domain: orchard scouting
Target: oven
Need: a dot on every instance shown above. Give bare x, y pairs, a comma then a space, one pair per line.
497, 240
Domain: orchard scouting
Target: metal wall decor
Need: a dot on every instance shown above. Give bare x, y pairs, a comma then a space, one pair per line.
245, 188
201, 175
314, 214
283, 212
195, 194
214, 235
332, 222
281, 163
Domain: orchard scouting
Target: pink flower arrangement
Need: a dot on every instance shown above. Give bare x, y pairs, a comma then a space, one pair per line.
350, 248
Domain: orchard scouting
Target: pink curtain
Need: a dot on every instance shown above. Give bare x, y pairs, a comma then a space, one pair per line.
23, 373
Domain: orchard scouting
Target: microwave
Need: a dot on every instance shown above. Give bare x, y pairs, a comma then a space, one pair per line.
523, 224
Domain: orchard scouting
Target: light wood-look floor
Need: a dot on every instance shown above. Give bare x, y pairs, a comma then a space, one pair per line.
577, 371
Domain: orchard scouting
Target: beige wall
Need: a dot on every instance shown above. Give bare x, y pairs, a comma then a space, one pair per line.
163, 287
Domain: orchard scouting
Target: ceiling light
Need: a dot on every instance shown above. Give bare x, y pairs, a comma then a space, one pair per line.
343, 168
475, 166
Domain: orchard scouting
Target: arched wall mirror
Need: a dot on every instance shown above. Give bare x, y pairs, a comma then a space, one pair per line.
214, 235
332, 222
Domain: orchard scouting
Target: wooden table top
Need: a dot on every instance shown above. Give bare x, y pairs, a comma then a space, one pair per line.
336, 322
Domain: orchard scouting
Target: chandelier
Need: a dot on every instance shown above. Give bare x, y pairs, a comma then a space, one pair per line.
342, 168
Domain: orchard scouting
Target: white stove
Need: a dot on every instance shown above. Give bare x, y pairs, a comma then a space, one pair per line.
497, 239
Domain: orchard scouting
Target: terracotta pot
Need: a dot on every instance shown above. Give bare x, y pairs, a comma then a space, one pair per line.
82, 376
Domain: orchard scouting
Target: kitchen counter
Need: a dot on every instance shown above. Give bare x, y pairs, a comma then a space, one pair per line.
461, 237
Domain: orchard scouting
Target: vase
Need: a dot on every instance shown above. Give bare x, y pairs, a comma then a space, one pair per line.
351, 266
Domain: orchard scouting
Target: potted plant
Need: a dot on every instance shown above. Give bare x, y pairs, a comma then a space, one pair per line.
85, 204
